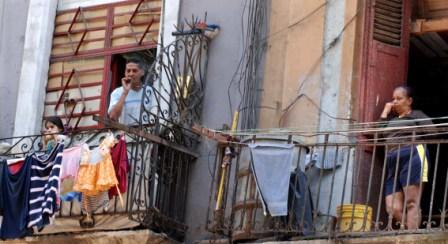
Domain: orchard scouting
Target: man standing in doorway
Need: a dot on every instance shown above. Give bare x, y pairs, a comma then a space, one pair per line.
125, 101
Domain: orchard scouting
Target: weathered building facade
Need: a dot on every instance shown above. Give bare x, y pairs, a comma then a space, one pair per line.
321, 66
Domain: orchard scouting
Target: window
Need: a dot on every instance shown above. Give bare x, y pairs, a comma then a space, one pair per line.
84, 59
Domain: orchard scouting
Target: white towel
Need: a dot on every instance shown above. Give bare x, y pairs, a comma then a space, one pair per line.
271, 166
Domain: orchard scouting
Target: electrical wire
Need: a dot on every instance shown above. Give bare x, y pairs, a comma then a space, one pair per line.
246, 77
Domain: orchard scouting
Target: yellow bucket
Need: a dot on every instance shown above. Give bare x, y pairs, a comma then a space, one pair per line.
354, 212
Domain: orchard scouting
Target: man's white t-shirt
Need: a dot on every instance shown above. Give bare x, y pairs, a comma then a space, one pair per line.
130, 114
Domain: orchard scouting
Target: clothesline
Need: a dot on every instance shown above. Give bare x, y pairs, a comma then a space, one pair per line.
352, 126
347, 134
301, 132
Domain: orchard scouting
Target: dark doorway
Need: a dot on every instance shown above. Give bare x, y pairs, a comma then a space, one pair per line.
428, 76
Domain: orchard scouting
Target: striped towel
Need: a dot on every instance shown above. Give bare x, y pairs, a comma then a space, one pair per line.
44, 187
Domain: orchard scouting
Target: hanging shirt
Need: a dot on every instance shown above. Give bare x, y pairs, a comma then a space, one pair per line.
44, 187
70, 160
130, 114
121, 165
14, 200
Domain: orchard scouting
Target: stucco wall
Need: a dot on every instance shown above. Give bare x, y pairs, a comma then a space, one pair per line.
13, 16
308, 78
224, 54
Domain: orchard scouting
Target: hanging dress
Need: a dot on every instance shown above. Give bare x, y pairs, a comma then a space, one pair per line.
96, 172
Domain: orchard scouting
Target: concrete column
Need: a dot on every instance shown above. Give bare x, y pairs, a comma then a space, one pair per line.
13, 14
331, 65
34, 72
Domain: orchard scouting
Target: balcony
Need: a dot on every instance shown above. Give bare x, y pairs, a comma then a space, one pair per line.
156, 190
335, 189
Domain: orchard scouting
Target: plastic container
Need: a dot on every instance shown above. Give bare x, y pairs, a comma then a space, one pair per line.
355, 213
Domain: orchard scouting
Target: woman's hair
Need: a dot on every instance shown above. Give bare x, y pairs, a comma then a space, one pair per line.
407, 90
56, 121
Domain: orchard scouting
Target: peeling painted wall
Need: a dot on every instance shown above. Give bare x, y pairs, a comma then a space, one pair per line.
310, 59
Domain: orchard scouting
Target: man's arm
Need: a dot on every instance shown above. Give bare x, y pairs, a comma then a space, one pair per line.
117, 108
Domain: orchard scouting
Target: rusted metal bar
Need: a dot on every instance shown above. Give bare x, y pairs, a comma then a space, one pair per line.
78, 11
80, 43
436, 167
408, 178
372, 166
65, 88
146, 32
326, 138
135, 11
380, 197
333, 176
153, 138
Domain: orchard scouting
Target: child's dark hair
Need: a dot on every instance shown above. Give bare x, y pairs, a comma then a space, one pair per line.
56, 121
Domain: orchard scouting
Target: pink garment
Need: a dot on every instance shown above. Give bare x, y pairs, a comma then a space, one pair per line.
70, 161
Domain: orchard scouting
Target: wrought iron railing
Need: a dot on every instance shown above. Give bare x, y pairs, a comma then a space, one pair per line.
157, 179
336, 188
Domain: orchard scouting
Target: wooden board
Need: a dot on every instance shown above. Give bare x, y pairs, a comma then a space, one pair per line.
435, 9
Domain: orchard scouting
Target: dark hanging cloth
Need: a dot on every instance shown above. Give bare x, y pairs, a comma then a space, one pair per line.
121, 165
2, 165
14, 200
300, 202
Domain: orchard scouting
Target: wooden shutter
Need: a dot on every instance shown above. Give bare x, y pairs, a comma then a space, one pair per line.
384, 64
385, 54
83, 44
388, 18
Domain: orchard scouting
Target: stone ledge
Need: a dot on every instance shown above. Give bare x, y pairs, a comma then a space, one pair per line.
105, 237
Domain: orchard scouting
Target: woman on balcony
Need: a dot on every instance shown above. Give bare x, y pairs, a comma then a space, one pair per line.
403, 181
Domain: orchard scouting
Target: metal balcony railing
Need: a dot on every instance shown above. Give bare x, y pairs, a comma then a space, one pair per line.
336, 186
157, 178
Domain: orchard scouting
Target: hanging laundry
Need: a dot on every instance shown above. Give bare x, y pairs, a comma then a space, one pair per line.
15, 165
300, 202
14, 200
2, 165
44, 187
71, 196
271, 166
121, 165
70, 160
97, 174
